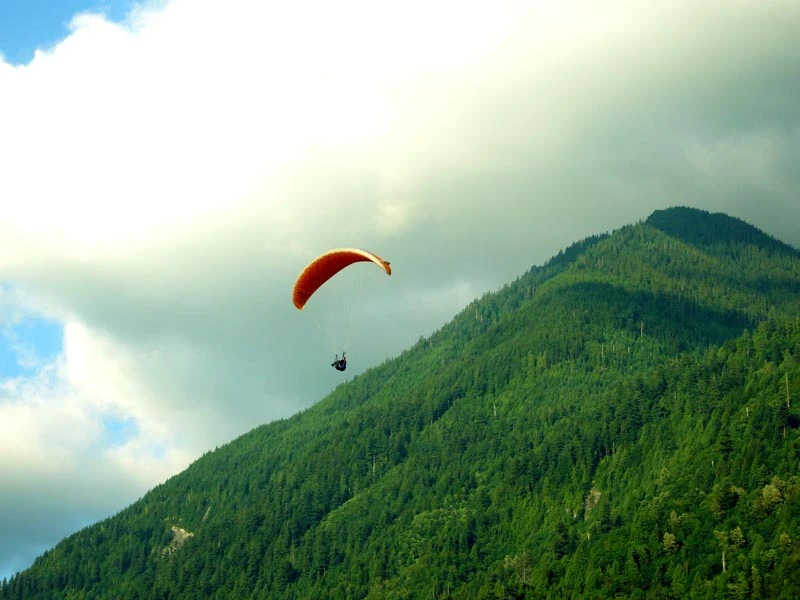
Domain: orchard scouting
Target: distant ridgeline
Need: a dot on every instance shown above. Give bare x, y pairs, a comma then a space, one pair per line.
621, 422
704, 229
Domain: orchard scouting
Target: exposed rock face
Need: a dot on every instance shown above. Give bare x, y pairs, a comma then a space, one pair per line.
179, 537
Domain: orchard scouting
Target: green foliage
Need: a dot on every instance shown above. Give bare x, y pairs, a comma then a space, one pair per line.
619, 423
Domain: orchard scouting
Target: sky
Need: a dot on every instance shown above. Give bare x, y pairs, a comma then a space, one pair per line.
168, 169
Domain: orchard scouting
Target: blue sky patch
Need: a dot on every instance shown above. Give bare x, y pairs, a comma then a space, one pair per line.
26, 25
27, 340
120, 430
26, 345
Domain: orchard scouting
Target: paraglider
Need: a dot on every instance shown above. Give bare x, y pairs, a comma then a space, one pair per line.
321, 269
325, 266
339, 365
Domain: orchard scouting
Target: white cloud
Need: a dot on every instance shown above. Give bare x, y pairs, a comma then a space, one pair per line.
55, 420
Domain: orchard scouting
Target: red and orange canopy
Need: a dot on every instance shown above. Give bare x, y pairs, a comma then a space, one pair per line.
325, 266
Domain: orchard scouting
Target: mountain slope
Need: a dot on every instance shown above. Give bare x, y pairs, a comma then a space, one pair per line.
608, 425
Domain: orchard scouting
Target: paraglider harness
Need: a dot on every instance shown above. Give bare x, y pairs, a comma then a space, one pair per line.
339, 365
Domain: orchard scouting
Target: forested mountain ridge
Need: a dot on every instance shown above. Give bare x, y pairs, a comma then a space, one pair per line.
620, 422
714, 230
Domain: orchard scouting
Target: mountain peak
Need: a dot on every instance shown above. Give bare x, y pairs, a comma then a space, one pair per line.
702, 228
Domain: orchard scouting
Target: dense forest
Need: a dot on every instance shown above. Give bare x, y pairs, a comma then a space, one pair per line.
621, 422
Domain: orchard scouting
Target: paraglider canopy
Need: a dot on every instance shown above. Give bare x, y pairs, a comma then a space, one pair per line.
325, 266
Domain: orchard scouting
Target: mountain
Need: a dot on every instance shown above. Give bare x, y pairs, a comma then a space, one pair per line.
619, 422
